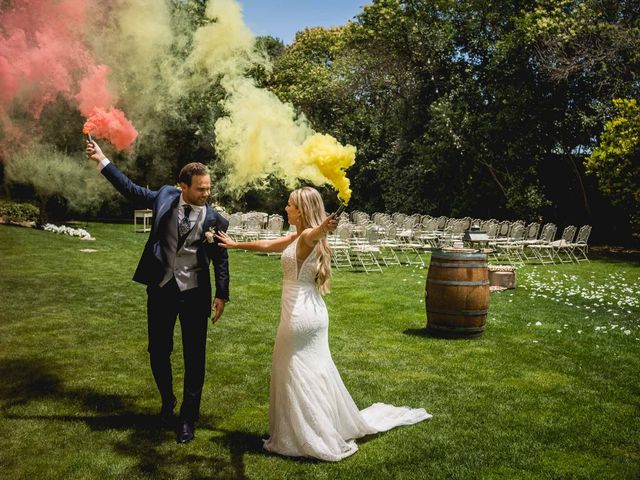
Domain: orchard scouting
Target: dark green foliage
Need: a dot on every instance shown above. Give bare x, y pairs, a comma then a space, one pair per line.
470, 108
18, 212
616, 161
58, 126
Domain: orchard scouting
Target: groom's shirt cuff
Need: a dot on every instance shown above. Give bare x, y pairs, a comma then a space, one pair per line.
103, 163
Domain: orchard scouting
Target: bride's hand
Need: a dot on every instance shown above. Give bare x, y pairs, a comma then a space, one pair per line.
225, 241
329, 224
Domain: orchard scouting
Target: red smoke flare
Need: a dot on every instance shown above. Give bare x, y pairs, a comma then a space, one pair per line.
112, 126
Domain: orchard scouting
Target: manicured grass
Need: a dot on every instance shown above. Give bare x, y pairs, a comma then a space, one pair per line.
550, 391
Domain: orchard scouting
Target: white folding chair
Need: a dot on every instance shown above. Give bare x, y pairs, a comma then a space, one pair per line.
544, 250
581, 245
339, 242
366, 249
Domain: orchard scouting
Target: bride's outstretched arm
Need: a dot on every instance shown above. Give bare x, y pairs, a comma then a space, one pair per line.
312, 235
269, 246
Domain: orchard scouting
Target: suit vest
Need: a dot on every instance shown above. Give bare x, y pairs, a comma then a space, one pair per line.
181, 263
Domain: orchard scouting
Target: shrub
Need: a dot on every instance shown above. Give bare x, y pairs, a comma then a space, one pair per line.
18, 212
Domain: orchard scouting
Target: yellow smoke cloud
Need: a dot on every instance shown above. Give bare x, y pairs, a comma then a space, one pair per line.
260, 135
224, 46
331, 159
145, 31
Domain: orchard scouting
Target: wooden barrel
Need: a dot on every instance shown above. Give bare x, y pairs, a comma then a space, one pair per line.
457, 294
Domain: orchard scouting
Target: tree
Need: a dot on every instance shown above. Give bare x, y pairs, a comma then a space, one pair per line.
585, 53
616, 160
460, 107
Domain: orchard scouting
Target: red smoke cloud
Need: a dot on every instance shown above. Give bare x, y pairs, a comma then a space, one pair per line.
95, 102
112, 126
94, 91
43, 54
39, 51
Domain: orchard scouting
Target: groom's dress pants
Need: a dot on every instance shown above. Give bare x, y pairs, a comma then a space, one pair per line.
164, 305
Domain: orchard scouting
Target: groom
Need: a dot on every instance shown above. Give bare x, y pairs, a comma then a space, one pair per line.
175, 268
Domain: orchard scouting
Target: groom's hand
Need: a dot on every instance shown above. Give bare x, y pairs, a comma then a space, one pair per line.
218, 308
94, 152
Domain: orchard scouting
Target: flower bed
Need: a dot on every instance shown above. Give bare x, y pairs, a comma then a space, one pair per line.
64, 230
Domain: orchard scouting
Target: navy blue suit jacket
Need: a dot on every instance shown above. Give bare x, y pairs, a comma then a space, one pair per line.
150, 269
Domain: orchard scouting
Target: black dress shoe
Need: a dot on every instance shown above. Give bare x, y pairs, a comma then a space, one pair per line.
186, 431
166, 416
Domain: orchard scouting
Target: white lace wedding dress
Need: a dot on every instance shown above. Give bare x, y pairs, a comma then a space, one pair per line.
310, 411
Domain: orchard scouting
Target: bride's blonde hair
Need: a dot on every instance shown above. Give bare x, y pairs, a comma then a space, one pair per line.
311, 207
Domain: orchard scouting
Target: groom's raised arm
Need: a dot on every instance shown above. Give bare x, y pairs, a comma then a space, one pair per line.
140, 195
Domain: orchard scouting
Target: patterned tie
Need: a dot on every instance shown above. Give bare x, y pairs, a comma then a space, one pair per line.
185, 225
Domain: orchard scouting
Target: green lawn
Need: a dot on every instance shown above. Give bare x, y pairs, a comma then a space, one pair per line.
552, 390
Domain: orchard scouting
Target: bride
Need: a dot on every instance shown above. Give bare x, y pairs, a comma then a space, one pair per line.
311, 413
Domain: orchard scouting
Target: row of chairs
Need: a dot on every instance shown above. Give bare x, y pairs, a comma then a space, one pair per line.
255, 225
438, 232
572, 246
513, 242
369, 242
371, 248
354, 247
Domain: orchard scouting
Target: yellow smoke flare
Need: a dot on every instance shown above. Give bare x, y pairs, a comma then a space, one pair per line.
331, 159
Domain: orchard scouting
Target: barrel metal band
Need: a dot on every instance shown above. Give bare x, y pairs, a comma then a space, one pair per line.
458, 256
457, 282
466, 313
455, 329
460, 265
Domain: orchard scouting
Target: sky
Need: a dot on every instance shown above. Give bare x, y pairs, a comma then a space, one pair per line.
283, 18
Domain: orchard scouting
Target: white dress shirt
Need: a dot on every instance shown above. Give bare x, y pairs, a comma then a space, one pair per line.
194, 214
